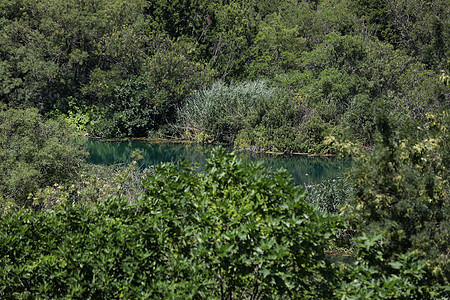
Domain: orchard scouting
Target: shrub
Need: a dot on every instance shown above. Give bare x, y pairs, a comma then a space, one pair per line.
95, 183
235, 231
250, 232
281, 139
135, 104
370, 277
401, 191
312, 134
34, 154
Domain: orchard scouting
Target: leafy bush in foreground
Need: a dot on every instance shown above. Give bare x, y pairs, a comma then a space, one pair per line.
250, 232
401, 191
234, 232
371, 277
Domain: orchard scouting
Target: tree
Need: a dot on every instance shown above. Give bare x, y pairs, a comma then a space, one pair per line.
402, 191
276, 49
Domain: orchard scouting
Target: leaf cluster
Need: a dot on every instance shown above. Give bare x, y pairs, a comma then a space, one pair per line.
234, 231
35, 154
401, 191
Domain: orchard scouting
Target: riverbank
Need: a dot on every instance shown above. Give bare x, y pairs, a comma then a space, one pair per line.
184, 141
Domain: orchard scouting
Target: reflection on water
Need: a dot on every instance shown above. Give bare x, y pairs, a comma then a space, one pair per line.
304, 170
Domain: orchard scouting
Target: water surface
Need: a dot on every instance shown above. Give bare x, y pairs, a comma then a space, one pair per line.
304, 169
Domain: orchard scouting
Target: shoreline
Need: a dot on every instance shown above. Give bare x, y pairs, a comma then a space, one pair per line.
180, 141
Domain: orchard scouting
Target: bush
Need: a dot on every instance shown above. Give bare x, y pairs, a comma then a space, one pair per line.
281, 139
370, 277
235, 231
359, 118
250, 232
401, 191
94, 184
34, 154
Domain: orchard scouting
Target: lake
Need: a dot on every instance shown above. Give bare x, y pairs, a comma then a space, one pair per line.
305, 170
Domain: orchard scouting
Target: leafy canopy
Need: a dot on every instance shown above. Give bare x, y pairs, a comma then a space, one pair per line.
234, 231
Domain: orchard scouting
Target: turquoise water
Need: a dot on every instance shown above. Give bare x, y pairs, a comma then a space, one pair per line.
304, 169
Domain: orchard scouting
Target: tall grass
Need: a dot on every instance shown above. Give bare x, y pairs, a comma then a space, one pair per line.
330, 195
218, 113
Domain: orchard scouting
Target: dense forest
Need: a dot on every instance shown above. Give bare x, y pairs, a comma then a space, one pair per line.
260, 75
365, 78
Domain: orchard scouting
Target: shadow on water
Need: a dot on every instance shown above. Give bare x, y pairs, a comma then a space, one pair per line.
304, 170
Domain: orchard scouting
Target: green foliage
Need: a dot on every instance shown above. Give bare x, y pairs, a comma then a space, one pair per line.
136, 105
234, 231
78, 252
336, 51
218, 113
132, 64
376, 14
277, 48
402, 191
79, 115
233, 29
172, 74
249, 227
312, 133
335, 76
359, 118
249, 115
330, 195
181, 18
273, 126
404, 277
331, 81
135, 67
34, 154
93, 184
131, 112
390, 71
261, 137
346, 81
49, 47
